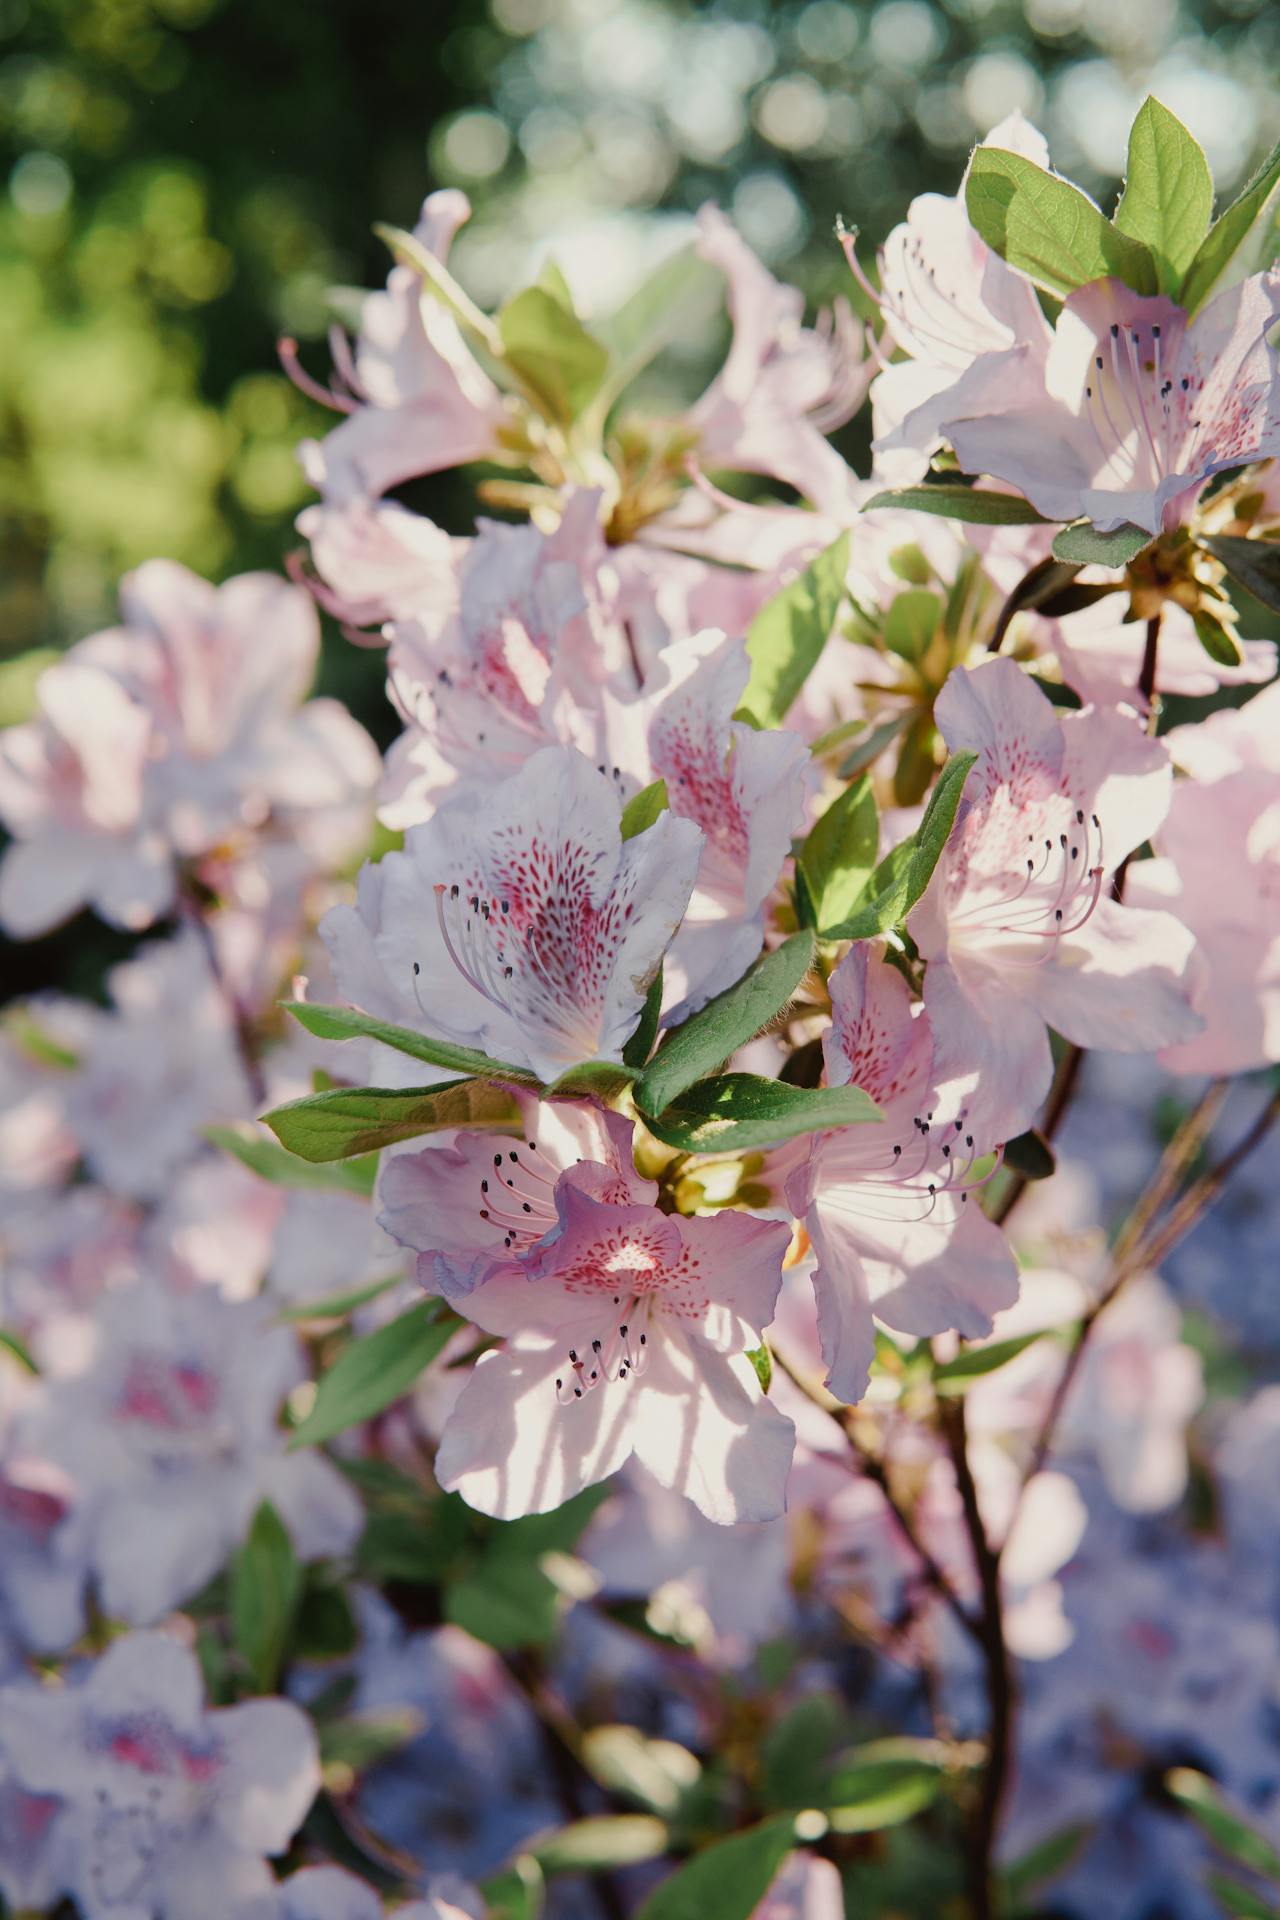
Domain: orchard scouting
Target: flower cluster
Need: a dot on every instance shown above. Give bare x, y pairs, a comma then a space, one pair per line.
656, 1214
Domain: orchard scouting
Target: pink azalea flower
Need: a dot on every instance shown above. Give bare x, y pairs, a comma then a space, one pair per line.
415, 397
1018, 924
165, 1806
806, 1888
891, 1207
525, 925
166, 1421
971, 326
34, 1868
469, 1209
746, 789
44, 1534
156, 1069
628, 1335
1100, 655
1219, 870
374, 560
159, 739
331, 1893
1140, 405
515, 662
784, 386
71, 794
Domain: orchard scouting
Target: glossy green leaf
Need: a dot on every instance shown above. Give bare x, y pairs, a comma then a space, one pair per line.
1043, 1863
640, 1045
360, 1120
739, 1111
506, 1603
10, 1343
663, 308
710, 1036
883, 1783
517, 1893
338, 1306
658, 1774
552, 354
594, 1079
602, 1843
917, 762
902, 876
1217, 640
1030, 1155
348, 1023
789, 633
728, 1879
980, 506
275, 1163
871, 746
437, 279
370, 1373
1229, 233
1239, 1902
643, 809
1049, 230
1081, 545
762, 1360
956, 1376
839, 855
1254, 564
361, 1740
796, 1752
1209, 1807
266, 1585
1168, 192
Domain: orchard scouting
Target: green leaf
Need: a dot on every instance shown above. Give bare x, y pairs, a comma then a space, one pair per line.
1081, 545
980, 507
438, 280
871, 746
739, 1112
595, 1079
1217, 640
917, 762
505, 1597
1030, 1155
1229, 232
911, 622
955, 1376
516, 1893
369, 1374
902, 876
839, 855
504, 1601
360, 1120
1241, 1903
708, 1038
40, 1046
1049, 230
266, 1585
600, 1844
348, 1023
643, 809
362, 1739
727, 1880
1043, 1863
883, 1783
1168, 193
326, 1626
338, 1306
19, 678
1209, 1807
640, 1045
663, 308
762, 1360
789, 633
284, 1169
10, 1343
418, 1541
551, 353
1254, 564
659, 1774
795, 1754
1041, 583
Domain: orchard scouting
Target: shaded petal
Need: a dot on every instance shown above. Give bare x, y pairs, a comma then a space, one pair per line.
706, 1429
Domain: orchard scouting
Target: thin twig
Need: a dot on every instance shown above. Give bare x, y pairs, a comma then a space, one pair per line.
1141, 1250
1060, 1096
874, 1470
995, 1653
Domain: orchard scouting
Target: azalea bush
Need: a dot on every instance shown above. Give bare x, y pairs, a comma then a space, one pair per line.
549, 1358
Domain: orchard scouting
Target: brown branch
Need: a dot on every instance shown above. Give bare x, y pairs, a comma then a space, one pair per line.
874, 1470
1000, 1683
